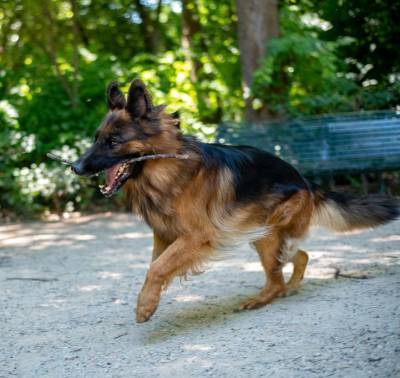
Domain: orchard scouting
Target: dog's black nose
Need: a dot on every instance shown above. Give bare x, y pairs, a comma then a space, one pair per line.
76, 167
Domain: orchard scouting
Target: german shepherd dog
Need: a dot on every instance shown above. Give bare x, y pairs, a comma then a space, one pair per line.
220, 196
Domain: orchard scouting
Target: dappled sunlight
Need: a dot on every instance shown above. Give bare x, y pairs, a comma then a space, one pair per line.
143, 265
83, 219
82, 290
189, 298
195, 347
323, 237
119, 301
251, 267
110, 275
6, 234
316, 84
48, 244
40, 241
54, 303
10, 227
83, 237
27, 240
224, 263
41, 236
320, 233
341, 248
388, 238
133, 235
89, 288
287, 269
104, 260
321, 273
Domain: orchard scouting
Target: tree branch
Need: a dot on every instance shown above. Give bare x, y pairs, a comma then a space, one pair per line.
51, 52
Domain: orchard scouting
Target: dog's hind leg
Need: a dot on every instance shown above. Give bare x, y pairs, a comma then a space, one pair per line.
288, 224
269, 250
299, 260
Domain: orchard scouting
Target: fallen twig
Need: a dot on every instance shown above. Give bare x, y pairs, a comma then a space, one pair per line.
348, 275
121, 335
59, 158
158, 156
128, 161
31, 279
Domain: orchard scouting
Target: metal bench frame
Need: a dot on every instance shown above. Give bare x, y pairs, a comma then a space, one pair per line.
326, 145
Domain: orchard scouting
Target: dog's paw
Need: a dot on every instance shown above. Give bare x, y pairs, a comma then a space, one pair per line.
144, 314
253, 304
146, 306
263, 298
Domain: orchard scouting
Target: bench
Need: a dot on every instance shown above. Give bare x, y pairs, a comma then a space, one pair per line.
327, 145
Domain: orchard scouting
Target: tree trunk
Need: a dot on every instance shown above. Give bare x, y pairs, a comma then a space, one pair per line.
148, 27
51, 49
258, 22
78, 27
191, 30
195, 46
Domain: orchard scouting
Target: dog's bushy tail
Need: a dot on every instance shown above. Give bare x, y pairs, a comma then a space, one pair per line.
343, 212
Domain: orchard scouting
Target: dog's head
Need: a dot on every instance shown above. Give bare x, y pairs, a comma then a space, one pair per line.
132, 128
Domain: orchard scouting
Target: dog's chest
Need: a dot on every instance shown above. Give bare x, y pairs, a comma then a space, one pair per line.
154, 198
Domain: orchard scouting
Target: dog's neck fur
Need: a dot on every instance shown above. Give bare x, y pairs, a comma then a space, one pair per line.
154, 190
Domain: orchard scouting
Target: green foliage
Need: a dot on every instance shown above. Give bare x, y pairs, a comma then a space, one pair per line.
33, 185
374, 29
58, 64
59, 55
300, 74
320, 64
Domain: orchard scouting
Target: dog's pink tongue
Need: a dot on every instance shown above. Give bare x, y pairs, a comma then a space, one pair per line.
111, 174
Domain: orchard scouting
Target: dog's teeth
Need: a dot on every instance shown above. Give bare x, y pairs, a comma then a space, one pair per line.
104, 188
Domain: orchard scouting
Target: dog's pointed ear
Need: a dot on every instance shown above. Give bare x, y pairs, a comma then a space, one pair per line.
139, 100
115, 98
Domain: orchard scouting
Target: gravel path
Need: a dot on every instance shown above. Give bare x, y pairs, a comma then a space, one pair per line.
68, 291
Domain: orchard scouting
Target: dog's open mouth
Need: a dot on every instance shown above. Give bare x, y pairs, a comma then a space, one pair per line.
115, 178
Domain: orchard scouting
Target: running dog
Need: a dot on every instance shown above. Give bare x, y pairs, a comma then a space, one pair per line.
219, 196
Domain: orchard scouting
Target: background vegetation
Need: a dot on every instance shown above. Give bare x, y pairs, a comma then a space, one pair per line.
58, 55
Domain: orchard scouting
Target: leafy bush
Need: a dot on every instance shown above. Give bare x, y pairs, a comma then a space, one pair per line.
304, 74
27, 186
38, 118
58, 56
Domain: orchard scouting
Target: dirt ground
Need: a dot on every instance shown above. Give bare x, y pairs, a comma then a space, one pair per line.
68, 292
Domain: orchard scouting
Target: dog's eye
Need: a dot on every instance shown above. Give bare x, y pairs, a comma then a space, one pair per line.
113, 142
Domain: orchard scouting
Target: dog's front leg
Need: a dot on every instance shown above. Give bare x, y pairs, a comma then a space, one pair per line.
176, 259
159, 246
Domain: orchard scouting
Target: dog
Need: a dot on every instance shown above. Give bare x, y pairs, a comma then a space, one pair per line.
216, 198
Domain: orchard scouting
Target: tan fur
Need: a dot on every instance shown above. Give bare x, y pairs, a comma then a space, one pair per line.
300, 260
207, 203
289, 221
193, 212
